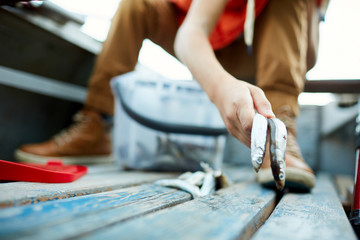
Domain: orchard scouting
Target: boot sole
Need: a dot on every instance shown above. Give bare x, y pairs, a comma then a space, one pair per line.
295, 178
95, 159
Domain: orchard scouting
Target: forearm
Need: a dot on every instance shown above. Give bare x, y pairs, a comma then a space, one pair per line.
194, 50
236, 100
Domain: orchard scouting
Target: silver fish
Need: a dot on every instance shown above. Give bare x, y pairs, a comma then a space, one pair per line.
198, 184
258, 140
180, 184
196, 178
209, 184
278, 139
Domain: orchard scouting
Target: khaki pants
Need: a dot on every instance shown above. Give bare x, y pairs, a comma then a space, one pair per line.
285, 46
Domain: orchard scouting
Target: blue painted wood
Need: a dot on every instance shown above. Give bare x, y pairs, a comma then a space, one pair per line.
22, 193
317, 215
61, 216
99, 179
68, 217
134, 213
235, 212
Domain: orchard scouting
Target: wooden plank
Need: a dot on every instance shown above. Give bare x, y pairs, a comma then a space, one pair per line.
317, 215
234, 212
48, 56
69, 217
21, 193
92, 211
99, 179
68, 32
237, 173
42, 85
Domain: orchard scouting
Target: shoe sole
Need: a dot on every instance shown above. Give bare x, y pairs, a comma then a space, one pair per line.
97, 159
295, 177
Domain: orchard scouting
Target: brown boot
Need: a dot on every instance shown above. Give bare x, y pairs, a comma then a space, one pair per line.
298, 174
87, 141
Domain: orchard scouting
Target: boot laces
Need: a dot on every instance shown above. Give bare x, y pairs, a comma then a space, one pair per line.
68, 134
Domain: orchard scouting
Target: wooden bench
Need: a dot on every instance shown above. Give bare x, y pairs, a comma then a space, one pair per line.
111, 204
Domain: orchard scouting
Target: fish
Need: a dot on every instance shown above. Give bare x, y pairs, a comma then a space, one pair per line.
194, 178
198, 184
278, 139
209, 184
180, 184
258, 140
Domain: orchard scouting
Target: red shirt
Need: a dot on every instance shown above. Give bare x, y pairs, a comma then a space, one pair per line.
231, 23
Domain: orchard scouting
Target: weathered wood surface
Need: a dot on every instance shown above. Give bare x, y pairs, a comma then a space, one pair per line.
72, 217
67, 218
317, 215
20, 193
99, 179
129, 207
239, 174
231, 213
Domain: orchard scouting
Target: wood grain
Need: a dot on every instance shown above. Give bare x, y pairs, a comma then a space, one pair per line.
70, 217
316, 215
100, 178
231, 213
22, 193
